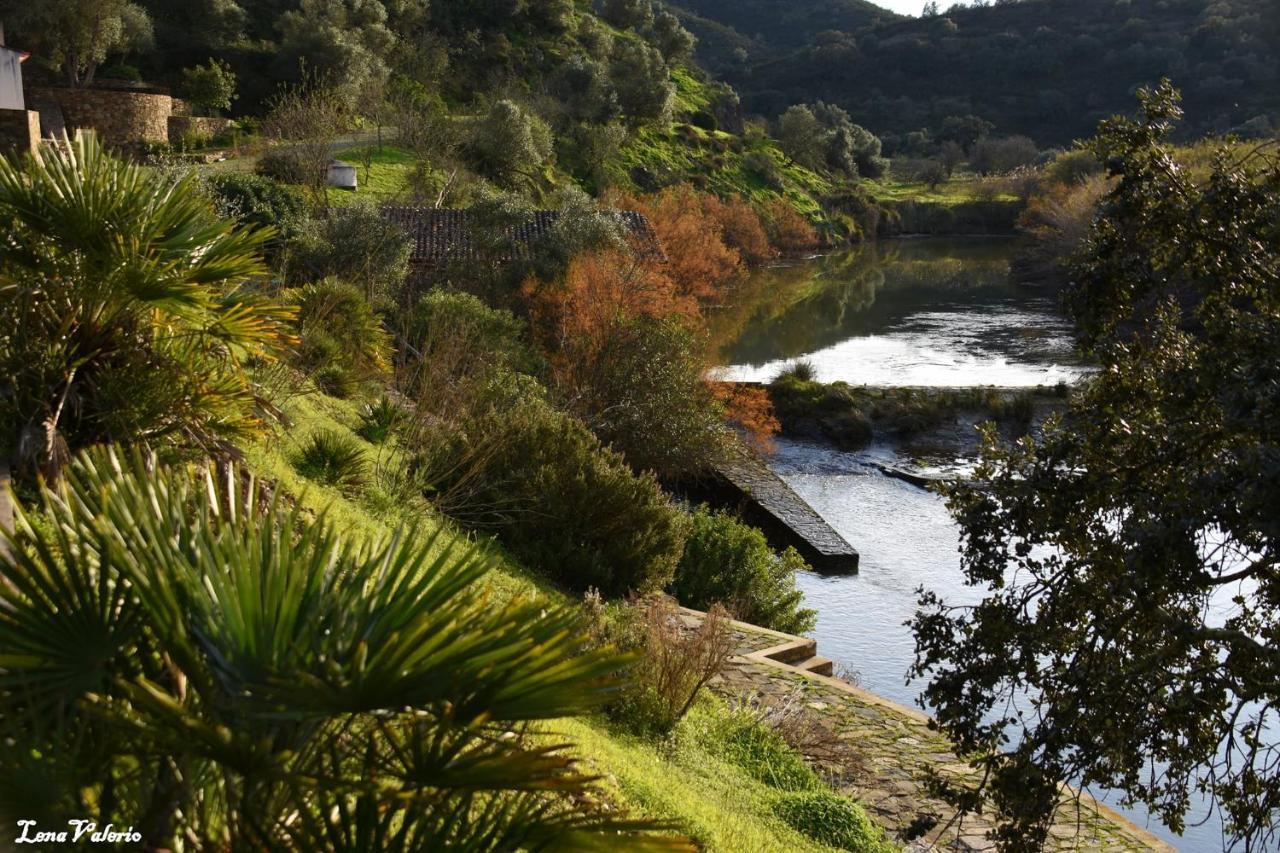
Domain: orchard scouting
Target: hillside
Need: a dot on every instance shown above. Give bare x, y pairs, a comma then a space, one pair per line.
1047, 69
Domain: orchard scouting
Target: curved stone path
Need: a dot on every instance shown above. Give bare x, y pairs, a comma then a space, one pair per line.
893, 745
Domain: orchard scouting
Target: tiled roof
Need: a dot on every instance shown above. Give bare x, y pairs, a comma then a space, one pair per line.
442, 235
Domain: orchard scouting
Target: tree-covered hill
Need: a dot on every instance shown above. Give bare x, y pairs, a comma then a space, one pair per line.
1048, 69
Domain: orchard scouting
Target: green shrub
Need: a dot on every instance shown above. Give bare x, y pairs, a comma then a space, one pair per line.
356, 244
255, 200
332, 458
563, 503
339, 335
830, 411
743, 740
458, 342
335, 380
728, 562
378, 420
831, 819
284, 164
120, 71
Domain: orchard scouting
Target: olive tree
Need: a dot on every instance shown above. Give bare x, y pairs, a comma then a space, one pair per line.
78, 35
1129, 561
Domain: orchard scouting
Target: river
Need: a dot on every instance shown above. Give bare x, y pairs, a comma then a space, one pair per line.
921, 312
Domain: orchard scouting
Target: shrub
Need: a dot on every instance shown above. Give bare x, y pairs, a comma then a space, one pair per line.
378, 420
333, 458
210, 87
831, 819
676, 662
728, 562
742, 739
790, 233
560, 501
286, 165
205, 624
801, 371
356, 244
457, 342
339, 334
765, 169
255, 200
104, 339
120, 71
742, 230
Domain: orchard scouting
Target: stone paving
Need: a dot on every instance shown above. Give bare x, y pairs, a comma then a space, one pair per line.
893, 746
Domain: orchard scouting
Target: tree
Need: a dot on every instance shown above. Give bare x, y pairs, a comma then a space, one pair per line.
1004, 154
78, 35
305, 120
127, 313
801, 136
964, 130
1129, 557
509, 145
358, 245
628, 14
667, 34
951, 155
210, 87
643, 82
192, 658
342, 44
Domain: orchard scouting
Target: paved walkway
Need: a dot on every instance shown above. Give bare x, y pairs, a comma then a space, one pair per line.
893, 745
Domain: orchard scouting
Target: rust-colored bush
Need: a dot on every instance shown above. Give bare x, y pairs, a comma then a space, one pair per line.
742, 229
750, 409
790, 233
699, 261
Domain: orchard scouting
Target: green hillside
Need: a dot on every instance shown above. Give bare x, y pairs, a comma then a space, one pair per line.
1047, 69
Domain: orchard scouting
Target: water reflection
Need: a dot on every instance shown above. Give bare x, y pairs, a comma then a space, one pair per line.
915, 312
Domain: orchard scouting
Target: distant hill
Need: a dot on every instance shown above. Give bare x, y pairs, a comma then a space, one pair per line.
1049, 69
772, 24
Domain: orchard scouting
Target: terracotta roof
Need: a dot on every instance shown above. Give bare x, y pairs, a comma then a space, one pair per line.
442, 235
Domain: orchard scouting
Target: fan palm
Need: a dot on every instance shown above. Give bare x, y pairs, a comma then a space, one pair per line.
182, 653
125, 309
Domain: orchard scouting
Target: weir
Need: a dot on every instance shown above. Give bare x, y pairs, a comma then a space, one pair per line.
762, 498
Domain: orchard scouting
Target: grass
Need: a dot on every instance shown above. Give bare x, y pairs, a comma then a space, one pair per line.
961, 189
715, 802
387, 177
685, 780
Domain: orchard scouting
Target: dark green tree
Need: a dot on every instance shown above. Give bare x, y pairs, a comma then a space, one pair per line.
1127, 637
78, 35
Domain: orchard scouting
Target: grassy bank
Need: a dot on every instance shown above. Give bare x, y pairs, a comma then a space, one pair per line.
682, 779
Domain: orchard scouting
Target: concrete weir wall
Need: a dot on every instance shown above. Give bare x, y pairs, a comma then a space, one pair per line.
748, 486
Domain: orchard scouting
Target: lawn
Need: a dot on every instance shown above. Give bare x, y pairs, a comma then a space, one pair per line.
386, 177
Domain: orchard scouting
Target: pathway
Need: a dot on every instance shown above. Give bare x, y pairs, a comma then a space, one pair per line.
893, 745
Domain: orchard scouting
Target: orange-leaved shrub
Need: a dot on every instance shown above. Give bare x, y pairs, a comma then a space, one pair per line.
789, 232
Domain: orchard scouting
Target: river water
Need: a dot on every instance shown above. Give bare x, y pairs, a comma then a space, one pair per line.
922, 312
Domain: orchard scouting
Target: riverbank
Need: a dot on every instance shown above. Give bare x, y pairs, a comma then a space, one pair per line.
887, 752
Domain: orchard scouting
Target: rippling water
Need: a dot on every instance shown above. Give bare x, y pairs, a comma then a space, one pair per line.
905, 539
936, 312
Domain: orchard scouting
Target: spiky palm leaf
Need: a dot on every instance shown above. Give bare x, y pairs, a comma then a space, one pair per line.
117, 277
277, 684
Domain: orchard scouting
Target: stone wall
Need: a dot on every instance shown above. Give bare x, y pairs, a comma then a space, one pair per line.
185, 125
122, 119
19, 131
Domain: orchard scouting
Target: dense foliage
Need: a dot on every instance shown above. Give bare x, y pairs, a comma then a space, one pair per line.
126, 309
188, 657
1129, 558
728, 562
1047, 69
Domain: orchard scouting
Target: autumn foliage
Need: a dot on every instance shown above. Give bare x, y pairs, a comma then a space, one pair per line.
789, 232
750, 410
